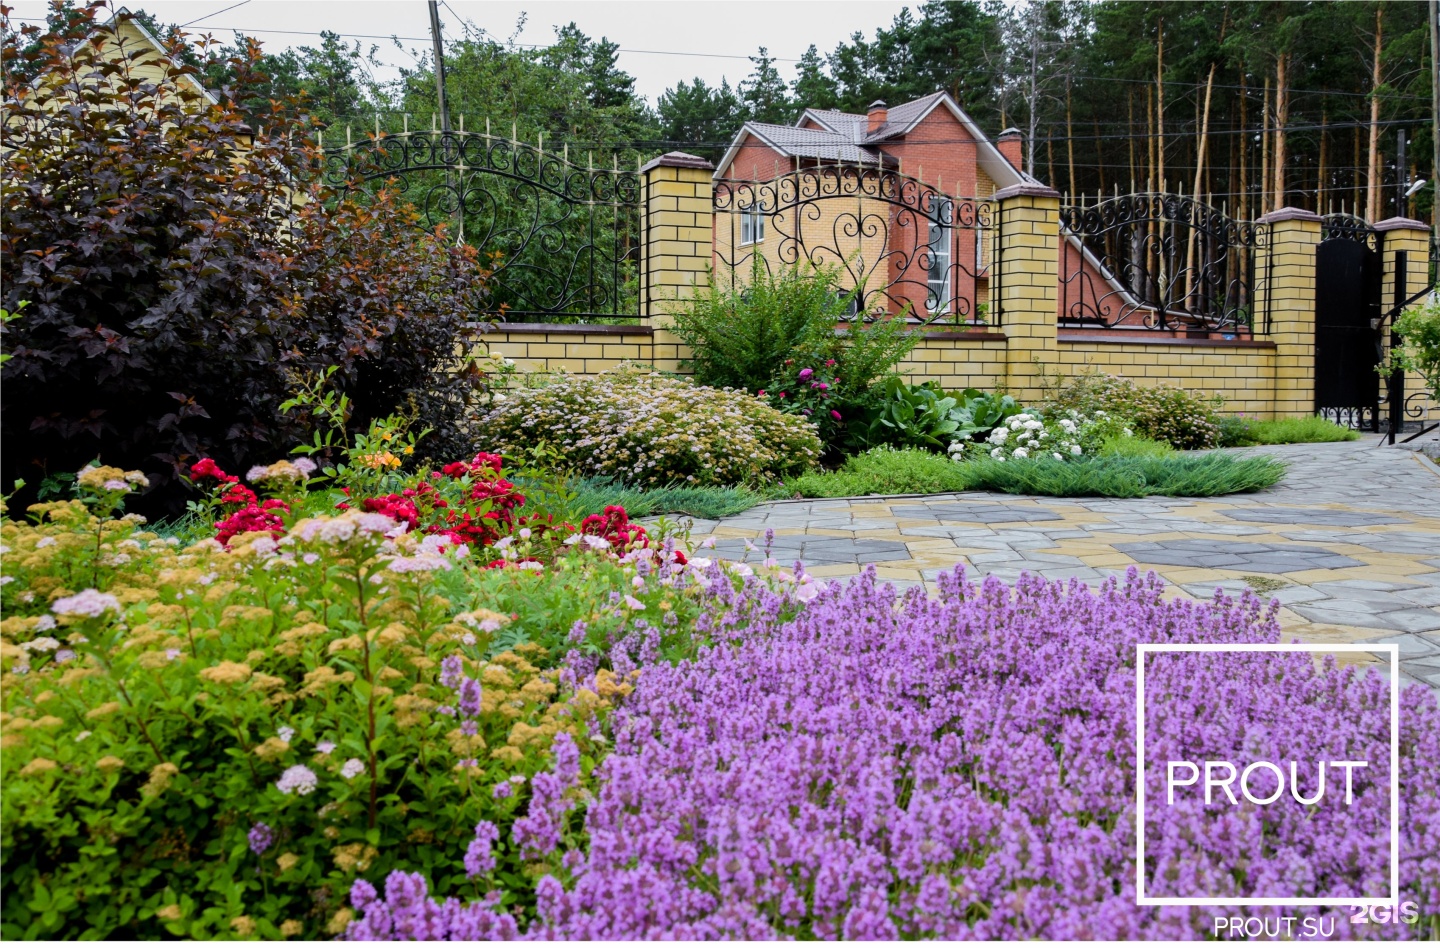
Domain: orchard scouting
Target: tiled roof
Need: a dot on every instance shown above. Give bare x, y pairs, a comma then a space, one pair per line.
848, 138
845, 137
900, 118
815, 143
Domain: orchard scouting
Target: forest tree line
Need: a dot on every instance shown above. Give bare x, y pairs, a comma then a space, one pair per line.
1248, 105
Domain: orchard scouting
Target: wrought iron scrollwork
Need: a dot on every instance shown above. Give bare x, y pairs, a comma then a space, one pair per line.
900, 245
562, 241
1349, 227
1158, 261
1358, 417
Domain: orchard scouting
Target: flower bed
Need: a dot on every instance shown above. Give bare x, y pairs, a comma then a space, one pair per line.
217, 739
961, 768
602, 738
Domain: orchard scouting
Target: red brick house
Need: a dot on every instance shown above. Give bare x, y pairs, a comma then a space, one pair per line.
898, 199
936, 246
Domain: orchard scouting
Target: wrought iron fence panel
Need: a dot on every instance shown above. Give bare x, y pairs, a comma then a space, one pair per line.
899, 244
562, 241
1159, 261
1349, 227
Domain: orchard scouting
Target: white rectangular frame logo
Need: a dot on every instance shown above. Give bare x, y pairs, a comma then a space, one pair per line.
1142, 651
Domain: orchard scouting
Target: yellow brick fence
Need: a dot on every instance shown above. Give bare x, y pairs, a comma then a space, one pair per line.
1270, 377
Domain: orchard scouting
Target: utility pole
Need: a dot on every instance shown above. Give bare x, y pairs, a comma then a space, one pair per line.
1402, 174
1434, 111
439, 65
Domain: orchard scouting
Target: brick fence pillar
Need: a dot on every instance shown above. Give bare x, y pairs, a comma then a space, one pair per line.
1402, 233
677, 246
1285, 300
1028, 265
1413, 237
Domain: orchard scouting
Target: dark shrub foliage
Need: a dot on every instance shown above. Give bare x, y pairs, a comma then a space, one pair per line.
184, 272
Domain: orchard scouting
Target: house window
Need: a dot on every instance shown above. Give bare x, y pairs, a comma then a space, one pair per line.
982, 252
752, 225
940, 248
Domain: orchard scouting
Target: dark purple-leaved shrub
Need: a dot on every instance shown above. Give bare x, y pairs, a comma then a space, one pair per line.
184, 272
961, 767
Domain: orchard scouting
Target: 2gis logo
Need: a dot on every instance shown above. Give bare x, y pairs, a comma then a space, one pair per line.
1248, 927
1216, 792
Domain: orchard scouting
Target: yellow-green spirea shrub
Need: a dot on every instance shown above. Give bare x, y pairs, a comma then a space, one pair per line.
207, 744
648, 429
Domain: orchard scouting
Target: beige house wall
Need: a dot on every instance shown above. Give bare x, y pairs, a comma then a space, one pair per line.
844, 232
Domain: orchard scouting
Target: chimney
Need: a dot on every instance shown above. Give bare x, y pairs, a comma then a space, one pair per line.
1012, 145
878, 115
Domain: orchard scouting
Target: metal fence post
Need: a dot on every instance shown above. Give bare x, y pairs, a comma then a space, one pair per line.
1396, 387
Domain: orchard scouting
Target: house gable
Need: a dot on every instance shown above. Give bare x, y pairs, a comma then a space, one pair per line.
753, 158
932, 130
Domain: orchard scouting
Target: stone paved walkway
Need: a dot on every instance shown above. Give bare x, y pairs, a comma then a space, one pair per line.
1349, 543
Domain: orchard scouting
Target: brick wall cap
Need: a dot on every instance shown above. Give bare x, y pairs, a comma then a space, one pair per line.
577, 329
679, 159
1024, 190
1134, 338
1401, 223
1290, 214
965, 335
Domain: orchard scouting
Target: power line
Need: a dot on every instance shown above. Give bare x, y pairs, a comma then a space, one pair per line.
1168, 83
216, 13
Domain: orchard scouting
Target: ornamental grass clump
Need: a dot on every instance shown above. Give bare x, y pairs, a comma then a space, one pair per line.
881, 766
647, 429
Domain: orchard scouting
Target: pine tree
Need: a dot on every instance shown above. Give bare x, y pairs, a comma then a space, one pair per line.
764, 94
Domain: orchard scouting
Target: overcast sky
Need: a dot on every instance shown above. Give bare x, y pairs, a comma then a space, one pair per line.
661, 42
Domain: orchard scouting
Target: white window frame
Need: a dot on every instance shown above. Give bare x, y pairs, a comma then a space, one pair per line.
752, 225
941, 252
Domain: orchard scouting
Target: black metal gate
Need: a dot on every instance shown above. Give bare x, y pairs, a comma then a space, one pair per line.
1347, 320
561, 240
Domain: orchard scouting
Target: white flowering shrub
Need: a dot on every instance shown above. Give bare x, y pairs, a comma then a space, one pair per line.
1062, 437
648, 429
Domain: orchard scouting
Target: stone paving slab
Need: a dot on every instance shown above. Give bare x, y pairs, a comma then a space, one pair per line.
1349, 543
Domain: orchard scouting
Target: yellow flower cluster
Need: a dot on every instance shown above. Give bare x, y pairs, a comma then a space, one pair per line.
381, 461
111, 479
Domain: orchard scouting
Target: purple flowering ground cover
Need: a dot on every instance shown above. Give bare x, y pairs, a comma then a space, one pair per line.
883, 766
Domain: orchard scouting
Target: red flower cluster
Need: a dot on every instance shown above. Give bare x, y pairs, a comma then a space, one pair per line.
489, 509
249, 514
205, 467
614, 525
491, 463
496, 500
252, 518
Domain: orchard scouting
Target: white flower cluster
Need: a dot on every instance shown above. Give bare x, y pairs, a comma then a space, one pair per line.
89, 602
341, 529
1028, 435
300, 780
650, 429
